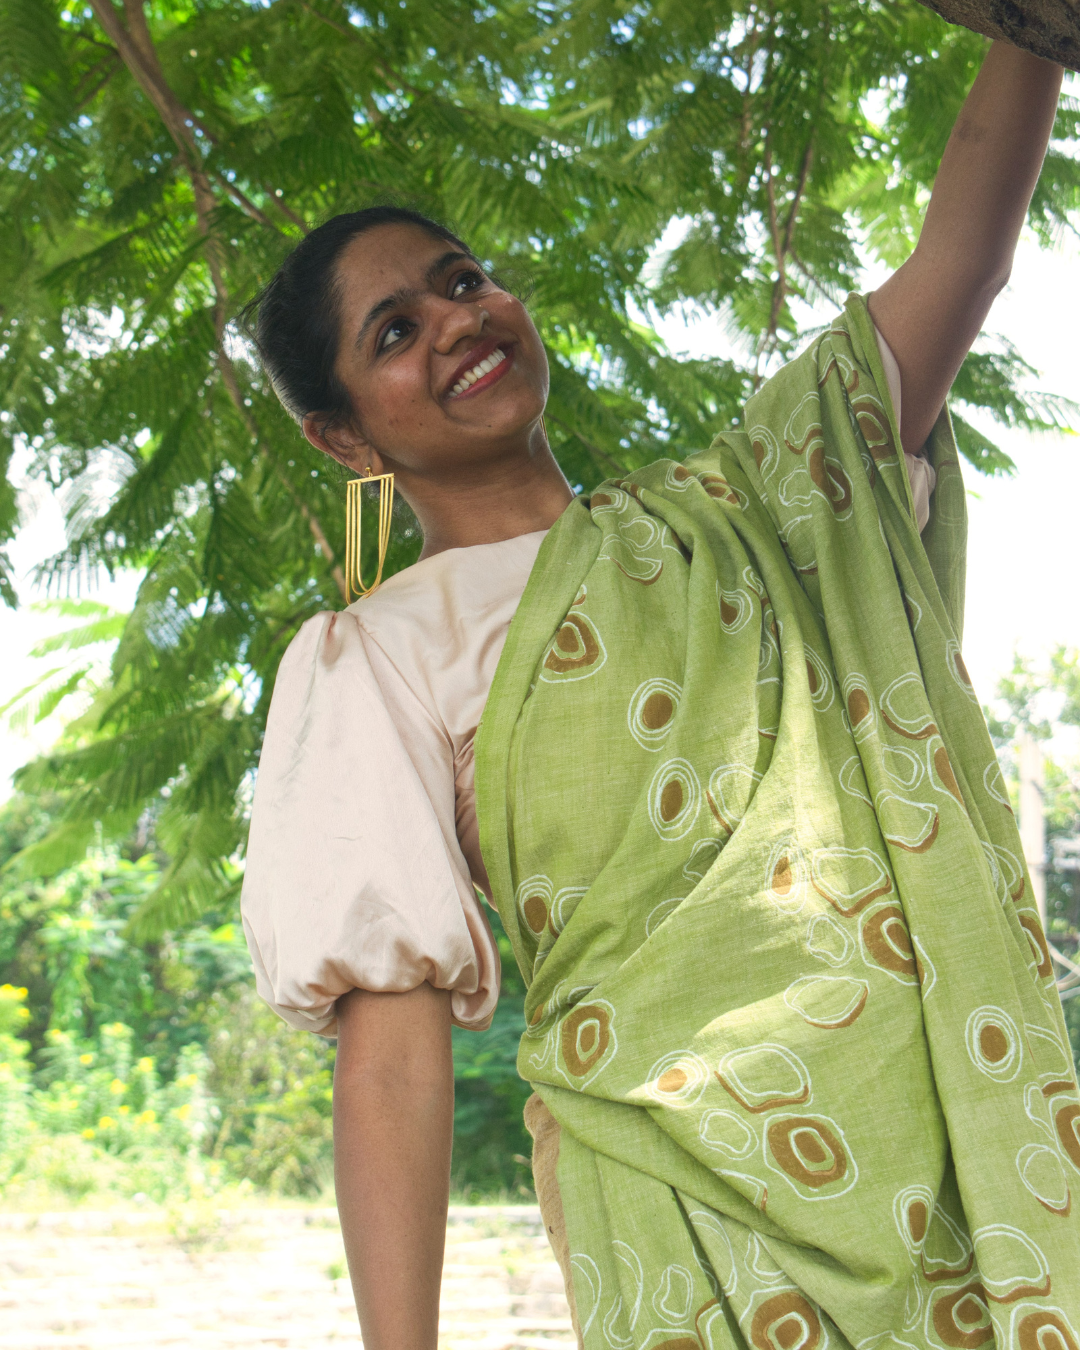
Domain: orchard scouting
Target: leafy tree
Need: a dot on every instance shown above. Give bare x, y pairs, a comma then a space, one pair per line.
620, 161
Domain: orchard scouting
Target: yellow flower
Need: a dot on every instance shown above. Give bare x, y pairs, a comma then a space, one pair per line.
145, 1065
188, 1080
124, 1110
182, 1112
88, 1134
117, 1088
86, 1059
106, 1122
146, 1118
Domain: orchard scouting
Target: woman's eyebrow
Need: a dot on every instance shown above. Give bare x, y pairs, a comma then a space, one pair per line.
403, 295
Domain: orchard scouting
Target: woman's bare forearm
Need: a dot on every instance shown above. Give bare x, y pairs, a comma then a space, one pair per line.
393, 1129
931, 310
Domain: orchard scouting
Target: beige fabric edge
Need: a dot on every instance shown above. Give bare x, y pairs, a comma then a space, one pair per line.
921, 473
545, 1132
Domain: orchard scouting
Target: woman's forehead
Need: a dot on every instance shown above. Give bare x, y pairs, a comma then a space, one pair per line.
389, 258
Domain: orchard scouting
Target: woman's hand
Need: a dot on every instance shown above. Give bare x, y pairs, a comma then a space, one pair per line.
931, 310
393, 1130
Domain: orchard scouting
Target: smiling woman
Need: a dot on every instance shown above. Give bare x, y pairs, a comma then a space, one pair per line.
399, 355
707, 741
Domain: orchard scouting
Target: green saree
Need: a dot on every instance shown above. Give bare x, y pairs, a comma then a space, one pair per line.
789, 999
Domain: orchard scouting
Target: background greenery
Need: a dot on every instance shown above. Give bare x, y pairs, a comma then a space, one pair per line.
616, 161
1045, 702
152, 1069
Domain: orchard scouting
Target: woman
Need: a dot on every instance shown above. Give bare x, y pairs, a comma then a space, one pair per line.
801, 1076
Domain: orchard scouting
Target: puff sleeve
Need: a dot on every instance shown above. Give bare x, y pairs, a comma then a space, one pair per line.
355, 878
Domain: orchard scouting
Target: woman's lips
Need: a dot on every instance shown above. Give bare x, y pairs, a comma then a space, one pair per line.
505, 351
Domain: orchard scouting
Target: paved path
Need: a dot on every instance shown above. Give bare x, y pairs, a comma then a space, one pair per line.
213, 1280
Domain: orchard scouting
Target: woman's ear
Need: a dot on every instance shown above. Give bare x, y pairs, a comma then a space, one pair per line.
343, 443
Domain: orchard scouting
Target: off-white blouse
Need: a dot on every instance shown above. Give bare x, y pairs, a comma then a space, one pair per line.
363, 861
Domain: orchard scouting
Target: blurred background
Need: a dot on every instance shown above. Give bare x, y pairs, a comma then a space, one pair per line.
683, 193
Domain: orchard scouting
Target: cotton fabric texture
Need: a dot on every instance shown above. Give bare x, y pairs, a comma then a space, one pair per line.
789, 999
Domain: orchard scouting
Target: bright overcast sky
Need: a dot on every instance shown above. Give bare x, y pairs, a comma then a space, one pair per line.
1023, 545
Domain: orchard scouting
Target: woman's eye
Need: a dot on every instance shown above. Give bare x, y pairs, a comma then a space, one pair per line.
394, 333
468, 281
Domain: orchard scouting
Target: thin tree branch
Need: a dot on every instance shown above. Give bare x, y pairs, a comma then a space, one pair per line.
782, 246
112, 64
804, 173
289, 213
136, 48
244, 202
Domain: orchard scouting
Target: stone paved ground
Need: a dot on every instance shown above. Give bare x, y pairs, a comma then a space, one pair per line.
214, 1280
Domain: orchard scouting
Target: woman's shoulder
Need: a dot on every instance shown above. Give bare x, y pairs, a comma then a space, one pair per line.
430, 627
459, 581
445, 609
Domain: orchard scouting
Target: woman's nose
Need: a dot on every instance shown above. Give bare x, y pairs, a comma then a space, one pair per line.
460, 321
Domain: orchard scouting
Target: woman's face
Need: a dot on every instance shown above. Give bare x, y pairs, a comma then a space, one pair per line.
444, 370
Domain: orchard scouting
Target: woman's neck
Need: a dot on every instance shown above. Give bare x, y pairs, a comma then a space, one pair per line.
486, 504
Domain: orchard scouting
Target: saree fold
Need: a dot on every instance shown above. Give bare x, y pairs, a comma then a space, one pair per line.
789, 998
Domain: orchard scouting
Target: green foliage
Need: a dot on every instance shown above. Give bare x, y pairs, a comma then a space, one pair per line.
96, 1115
492, 1148
105, 1093
66, 939
1042, 701
151, 1067
14, 1072
273, 1091
617, 162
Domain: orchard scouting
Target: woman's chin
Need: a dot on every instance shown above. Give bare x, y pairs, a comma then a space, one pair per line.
495, 416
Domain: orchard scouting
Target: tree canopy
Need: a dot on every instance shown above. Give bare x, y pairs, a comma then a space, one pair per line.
612, 160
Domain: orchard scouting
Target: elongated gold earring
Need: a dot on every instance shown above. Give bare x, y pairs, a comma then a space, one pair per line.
354, 582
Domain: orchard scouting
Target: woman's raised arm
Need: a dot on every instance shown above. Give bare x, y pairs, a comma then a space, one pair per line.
393, 1131
931, 309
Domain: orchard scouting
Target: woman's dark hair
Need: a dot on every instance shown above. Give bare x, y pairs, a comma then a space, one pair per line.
295, 320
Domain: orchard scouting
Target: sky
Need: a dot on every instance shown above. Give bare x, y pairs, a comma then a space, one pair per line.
1024, 531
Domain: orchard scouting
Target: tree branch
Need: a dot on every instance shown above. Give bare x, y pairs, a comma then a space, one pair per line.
112, 64
137, 51
782, 246
244, 202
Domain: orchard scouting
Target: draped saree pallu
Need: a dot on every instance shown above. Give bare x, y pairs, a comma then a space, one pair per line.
789, 999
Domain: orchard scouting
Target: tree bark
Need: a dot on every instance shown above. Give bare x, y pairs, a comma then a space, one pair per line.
1047, 28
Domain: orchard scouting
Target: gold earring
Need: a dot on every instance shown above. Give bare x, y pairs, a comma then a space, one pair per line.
354, 583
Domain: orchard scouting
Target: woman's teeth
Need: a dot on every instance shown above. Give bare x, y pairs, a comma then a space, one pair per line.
478, 372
